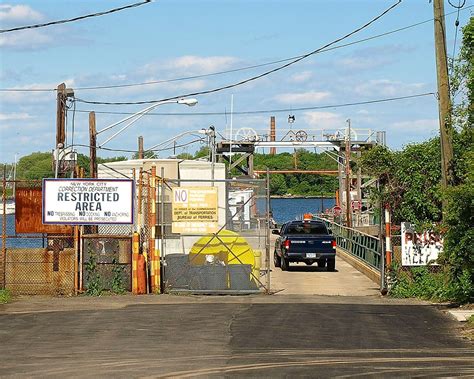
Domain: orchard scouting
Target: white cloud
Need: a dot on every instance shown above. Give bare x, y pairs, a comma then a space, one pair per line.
362, 63
203, 64
14, 116
21, 98
324, 120
188, 65
417, 127
302, 76
310, 97
26, 40
18, 13
388, 88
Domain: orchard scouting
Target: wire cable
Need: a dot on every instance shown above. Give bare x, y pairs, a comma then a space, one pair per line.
75, 18
263, 111
136, 151
256, 77
456, 26
230, 70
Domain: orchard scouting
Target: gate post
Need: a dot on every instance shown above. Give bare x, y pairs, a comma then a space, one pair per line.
154, 262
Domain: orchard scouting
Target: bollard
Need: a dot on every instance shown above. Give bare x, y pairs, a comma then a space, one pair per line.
388, 238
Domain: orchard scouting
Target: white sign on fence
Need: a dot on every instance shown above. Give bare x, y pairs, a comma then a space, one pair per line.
194, 210
88, 201
419, 249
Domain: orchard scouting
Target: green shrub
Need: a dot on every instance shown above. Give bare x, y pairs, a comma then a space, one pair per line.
420, 282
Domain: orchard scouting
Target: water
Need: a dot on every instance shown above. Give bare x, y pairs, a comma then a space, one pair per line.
19, 242
288, 209
283, 210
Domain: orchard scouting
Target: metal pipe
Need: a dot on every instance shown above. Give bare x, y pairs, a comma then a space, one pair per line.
268, 235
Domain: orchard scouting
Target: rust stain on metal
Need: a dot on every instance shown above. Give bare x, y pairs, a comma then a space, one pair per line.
28, 213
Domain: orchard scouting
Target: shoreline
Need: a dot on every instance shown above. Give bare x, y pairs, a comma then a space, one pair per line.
300, 197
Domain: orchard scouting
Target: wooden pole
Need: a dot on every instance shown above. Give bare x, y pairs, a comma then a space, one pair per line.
92, 145
140, 147
60, 115
444, 103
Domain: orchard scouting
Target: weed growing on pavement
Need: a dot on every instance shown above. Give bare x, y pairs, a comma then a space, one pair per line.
117, 279
5, 296
94, 283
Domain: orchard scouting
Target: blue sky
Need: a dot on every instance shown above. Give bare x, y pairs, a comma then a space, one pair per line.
173, 39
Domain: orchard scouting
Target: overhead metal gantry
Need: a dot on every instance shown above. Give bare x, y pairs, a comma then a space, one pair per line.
246, 150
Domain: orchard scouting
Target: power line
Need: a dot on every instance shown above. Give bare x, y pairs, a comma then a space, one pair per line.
136, 151
456, 26
230, 70
74, 19
253, 78
263, 111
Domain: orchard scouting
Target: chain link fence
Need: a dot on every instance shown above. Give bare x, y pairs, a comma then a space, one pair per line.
34, 259
234, 256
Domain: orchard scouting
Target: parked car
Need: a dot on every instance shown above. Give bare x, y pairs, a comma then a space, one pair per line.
307, 241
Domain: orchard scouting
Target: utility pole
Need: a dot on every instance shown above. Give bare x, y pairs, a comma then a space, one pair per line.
61, 114
92, 145
140, 147
444, 103
348, 176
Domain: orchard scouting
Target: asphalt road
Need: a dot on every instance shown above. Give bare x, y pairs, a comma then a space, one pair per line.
256, 336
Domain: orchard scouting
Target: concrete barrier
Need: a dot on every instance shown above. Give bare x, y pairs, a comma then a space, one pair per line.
372, 273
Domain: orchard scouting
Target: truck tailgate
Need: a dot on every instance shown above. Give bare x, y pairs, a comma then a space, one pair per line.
314, 244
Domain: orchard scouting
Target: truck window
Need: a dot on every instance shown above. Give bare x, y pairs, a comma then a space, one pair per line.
306, 228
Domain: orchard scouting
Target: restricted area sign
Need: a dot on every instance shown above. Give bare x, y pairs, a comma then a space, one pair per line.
194, 210
88, 201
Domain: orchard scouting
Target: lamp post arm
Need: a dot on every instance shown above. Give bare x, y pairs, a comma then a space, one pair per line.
144, 111
168, 141
138, 117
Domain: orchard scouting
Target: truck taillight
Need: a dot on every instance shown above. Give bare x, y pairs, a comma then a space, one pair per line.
334, 244
287, 244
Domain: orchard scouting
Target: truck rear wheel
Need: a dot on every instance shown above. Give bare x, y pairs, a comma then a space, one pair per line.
331, 264
285, 264
276, 259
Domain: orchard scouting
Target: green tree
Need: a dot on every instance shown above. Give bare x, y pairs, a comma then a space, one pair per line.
35, 166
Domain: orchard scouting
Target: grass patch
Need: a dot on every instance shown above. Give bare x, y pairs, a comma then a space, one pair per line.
5, 296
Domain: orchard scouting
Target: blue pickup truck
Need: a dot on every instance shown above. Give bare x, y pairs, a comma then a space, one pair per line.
305, 241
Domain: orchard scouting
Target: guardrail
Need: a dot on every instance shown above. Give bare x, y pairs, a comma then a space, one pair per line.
359, 244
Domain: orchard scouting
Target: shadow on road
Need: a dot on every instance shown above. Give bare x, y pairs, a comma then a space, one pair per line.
308, 269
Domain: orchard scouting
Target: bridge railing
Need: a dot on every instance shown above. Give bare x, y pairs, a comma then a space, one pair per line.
359, 244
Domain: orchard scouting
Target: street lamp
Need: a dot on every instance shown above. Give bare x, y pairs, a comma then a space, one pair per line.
136, 116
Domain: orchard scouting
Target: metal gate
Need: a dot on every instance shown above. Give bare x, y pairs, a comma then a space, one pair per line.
228, 255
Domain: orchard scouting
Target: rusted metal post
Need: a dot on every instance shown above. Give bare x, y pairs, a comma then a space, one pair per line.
348, 176
162, 252
268, 235
135, 251
4, 226
154, 261
272, 134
